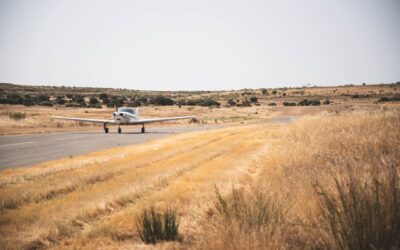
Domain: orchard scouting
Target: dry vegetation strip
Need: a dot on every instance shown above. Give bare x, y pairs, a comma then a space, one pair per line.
278, 187
328, 182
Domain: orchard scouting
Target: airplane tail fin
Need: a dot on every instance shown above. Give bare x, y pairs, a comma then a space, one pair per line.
137, 112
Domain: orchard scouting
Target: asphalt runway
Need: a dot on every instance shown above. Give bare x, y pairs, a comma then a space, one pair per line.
25, 150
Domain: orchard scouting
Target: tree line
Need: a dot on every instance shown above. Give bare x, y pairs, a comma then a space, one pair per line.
97, 101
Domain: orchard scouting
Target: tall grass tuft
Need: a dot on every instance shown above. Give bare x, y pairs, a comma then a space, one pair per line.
17, 115
245, 220
154, 226
363, 211
249, 211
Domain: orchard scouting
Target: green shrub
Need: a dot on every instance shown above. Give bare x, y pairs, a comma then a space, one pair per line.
244, 103
116, 101
231, 102
103, 96
154, 226
206, 102
106, 101
60, 101
253, 99
46, 103
264, 91
306, 102
363, 211
43, 98
93, 100
28, 101
395, 98
11, 99
73, 105
289, 104
134, 103
17, 115
161, 100
97, 106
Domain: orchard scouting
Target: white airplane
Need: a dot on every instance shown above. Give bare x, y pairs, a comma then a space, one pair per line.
123, 116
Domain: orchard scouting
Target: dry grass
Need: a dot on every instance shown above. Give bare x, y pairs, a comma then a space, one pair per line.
362, 211
276, 184
154, 226
331, 208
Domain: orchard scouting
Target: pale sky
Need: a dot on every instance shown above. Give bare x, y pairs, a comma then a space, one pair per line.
199, 45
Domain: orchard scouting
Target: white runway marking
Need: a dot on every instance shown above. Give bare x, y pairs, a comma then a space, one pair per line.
67, 138
18, 143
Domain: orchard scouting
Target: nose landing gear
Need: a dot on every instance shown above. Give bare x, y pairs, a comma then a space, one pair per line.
119, 130
105, 128
143, 130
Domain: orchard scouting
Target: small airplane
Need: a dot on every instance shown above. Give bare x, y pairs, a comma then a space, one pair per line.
123, 116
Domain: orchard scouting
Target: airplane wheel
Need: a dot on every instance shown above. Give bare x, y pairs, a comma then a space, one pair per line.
106, 130
119, 130
143, 130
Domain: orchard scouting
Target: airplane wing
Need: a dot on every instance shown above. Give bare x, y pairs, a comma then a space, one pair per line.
83, 119
143, 121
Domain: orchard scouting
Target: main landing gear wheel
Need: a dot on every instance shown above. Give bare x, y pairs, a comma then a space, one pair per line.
143, 130
119, 130
105, 129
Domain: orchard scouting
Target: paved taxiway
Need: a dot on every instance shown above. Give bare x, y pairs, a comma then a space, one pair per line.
25, 150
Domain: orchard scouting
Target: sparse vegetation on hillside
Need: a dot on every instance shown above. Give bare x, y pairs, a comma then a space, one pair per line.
94, 97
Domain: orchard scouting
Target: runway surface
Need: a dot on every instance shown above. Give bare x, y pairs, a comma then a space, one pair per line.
25, 150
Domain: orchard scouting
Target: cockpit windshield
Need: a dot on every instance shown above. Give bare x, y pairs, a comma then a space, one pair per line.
126, 110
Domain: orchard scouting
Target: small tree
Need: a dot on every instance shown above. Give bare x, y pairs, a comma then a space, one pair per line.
161, 100
60, 101
93, 100
43, 98
253, 99
231, 102
28, 101
103, 96
264, 91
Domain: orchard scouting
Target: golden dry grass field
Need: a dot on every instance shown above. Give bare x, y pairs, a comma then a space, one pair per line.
328, 180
